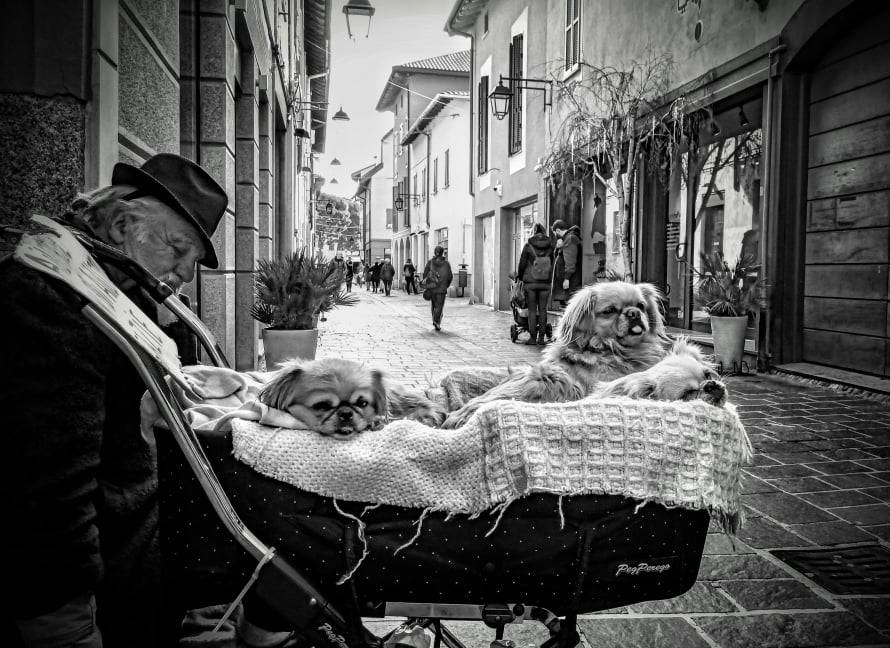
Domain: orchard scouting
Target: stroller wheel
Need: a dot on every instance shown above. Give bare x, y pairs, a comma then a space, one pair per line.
514, 333
549, 330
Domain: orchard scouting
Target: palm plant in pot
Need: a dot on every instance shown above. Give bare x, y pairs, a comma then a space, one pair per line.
728, 294
290, 294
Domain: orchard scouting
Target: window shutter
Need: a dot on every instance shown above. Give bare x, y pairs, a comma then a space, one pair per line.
482, 126
515, 123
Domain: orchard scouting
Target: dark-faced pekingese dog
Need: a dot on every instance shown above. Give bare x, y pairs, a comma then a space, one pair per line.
342, 397
684, 374
608, 330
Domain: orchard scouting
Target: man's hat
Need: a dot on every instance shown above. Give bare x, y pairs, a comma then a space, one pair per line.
184, 187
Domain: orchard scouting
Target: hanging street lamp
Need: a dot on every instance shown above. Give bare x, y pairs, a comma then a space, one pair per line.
358, 15
340, 115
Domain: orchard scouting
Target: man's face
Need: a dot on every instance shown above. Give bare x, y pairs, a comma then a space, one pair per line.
559, 232
163, 242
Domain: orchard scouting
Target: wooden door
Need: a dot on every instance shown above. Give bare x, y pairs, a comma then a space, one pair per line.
846, 320
488, 260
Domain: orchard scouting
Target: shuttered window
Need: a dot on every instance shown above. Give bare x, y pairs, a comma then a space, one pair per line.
515, 116
482, 126
573, 33
446, 180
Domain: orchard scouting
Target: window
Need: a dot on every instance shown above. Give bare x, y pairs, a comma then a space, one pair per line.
389, 218
414, 184
436, 175
441, 238
446, 179
515, 117
482, 126
485, 23
423, 185
573, 34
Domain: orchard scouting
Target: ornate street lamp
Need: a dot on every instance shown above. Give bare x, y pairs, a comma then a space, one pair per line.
501, 96
399, 202
359, 12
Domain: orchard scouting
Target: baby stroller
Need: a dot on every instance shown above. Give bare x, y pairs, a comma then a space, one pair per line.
599, 552
520, 313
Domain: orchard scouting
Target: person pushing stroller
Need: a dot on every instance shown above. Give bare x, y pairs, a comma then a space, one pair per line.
536, 272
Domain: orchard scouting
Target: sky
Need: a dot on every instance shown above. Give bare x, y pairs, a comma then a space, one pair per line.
401, 31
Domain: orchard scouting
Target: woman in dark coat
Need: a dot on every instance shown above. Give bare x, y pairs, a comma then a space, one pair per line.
567, 280
536, 272
437, 276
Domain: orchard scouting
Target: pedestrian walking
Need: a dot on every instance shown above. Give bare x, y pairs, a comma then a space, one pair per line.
348, 277
437, 277
366, 275
536, 272
567, 275
80, 479
408, 271
375, 274
387, 273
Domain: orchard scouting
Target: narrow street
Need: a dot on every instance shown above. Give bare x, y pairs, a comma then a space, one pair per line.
820, 480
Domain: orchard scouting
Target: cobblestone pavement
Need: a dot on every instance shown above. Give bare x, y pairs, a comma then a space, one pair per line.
820, 479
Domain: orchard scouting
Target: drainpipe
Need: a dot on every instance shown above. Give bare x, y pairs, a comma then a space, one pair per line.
767, 260
428, 173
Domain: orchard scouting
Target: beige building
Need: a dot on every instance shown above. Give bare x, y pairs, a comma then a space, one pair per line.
87, 84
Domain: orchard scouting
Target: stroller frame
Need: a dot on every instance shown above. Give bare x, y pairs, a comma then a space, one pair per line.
278, 584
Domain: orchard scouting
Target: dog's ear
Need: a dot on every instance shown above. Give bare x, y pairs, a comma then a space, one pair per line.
653, 308
381, 399
582, 305
276, 393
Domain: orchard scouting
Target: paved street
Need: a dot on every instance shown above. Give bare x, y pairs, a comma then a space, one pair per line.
820, 479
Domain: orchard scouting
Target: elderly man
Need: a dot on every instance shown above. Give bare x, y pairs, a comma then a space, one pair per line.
80, 481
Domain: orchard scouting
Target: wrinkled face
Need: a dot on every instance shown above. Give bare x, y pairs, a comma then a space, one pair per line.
339, 398
162, 241
682, 377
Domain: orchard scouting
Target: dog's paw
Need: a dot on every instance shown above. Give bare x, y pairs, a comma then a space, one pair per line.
433, 415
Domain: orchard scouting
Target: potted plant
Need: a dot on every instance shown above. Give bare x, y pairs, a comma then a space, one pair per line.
290, 293
728, 294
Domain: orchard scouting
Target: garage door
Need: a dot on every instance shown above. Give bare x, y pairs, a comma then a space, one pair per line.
846, 309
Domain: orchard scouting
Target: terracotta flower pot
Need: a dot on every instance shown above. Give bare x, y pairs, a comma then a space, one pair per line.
281, 345
729, 341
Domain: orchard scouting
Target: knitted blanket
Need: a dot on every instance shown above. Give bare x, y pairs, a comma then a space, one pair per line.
675, 453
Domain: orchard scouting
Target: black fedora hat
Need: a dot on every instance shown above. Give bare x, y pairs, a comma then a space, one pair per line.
183, 186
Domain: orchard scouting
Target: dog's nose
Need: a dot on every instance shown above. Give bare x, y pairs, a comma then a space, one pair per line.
714, 392
345, 415
633, 314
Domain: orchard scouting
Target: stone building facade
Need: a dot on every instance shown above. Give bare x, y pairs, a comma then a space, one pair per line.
85, 85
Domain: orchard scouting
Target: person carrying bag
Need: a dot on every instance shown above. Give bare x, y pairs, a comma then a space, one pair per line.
536, 272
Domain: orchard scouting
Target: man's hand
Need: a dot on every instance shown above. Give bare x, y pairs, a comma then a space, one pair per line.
559, 243
565, 284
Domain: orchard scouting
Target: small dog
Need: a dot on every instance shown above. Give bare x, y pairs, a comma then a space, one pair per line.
608, 330
684, 374
342, 398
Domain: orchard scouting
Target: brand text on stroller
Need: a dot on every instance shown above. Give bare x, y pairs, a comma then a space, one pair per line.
332, 636
642, 568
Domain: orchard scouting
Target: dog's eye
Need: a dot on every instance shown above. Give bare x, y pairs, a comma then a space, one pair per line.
362, 401
641, 306
323, 406
690, 394
611, 310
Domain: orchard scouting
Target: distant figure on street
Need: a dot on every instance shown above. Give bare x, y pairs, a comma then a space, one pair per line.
409, 270
567, 278
387, 272
366, 275
536, 272
375, 274
437, 277
348, 277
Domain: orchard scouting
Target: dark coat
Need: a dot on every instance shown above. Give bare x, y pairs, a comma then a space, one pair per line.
408, 269
78, 468
375, 272
437, 275
538, 245
387, 272
568, 261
